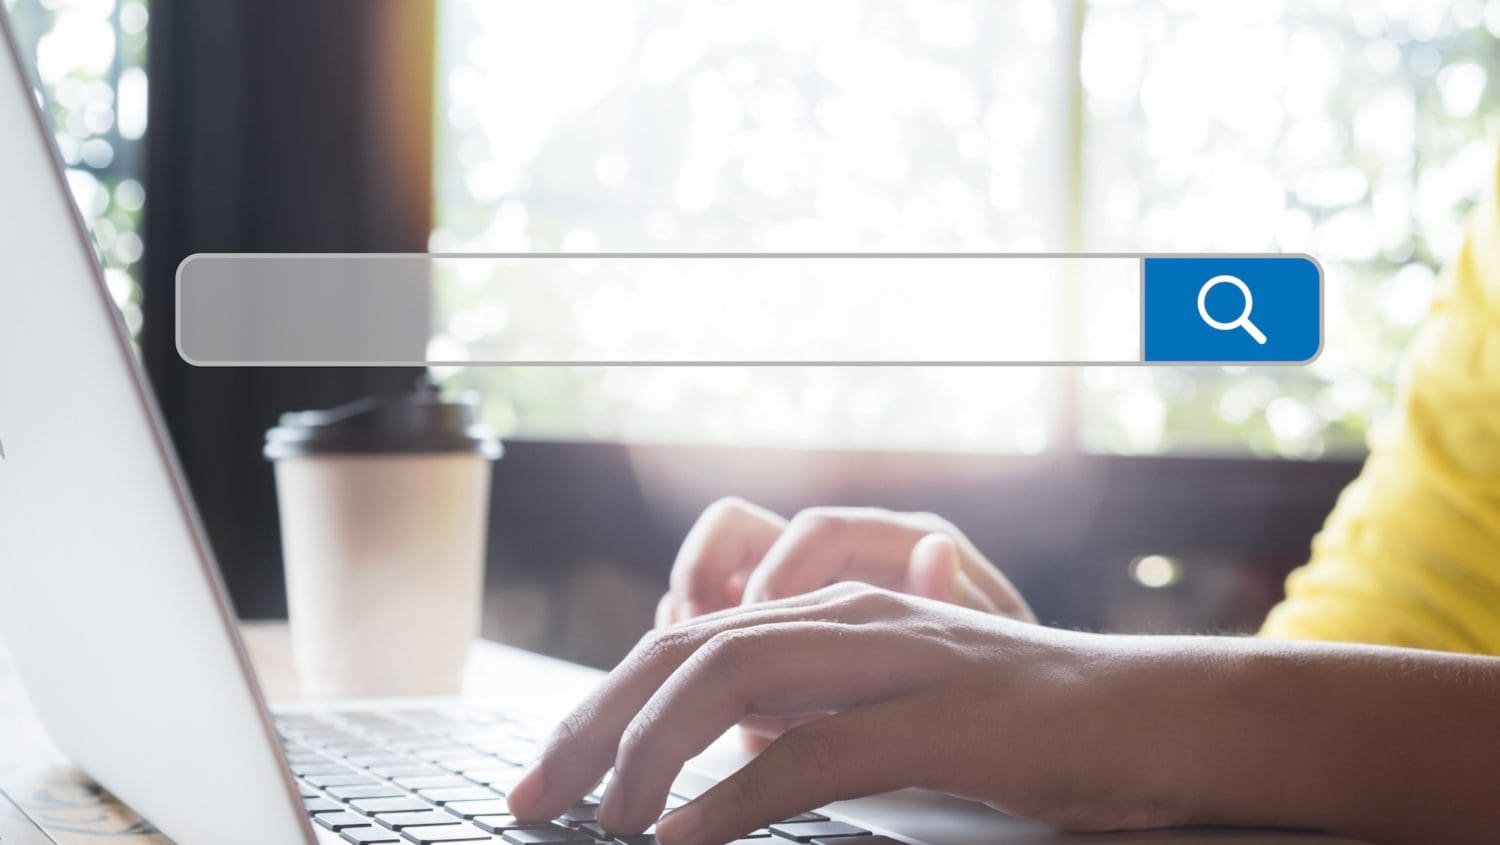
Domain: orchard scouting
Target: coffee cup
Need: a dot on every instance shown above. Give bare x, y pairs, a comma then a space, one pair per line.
383, 505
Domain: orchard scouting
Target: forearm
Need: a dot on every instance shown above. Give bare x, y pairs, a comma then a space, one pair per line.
1387, 745
1083, 731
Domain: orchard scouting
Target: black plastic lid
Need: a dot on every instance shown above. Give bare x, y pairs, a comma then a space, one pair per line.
407, 423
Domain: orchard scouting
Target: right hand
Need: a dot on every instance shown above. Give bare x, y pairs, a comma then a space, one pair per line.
738, 553
1053, 725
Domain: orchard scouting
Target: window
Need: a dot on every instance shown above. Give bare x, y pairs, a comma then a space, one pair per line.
90, 57
1359, 133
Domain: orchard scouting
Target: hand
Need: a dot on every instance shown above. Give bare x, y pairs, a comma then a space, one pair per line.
740, 553
921, 694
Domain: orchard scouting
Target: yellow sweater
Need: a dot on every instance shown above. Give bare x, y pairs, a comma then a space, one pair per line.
1410, 555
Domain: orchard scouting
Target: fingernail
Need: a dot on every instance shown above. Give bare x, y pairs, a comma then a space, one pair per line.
529, 790
680, 826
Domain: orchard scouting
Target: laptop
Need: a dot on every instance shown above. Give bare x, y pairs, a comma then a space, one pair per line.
113, 610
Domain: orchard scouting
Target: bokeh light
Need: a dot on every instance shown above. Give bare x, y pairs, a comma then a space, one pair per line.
1359, 132
779, 127
90, 58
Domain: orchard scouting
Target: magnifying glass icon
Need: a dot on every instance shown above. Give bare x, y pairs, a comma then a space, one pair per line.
1240, 322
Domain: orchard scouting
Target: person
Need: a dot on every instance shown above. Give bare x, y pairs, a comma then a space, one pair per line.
878, 651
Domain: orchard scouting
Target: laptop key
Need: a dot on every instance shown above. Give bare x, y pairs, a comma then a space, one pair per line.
326, 781
446, 833
415, 782
510, 752
470, 809
371, 721
339, 821
805, 817
381, 806
470, 763
501, 822
411, 742
326, 767
322, 805
351, 749
379, 790
440, 752
422, 818
430, 718
872, 839
502, 779
369, 835
379, 758
580, 813
808, 831
332, 736
407, 770
448, 795
301, 756
550, 834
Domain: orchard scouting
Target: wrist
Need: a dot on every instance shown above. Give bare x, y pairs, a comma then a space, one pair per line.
1111, 734
1164, 704
1231, 725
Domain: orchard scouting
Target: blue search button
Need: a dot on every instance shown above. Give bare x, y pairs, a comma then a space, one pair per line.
1232, 310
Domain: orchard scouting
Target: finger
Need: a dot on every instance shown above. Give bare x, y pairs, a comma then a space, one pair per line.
874, 749
821, 546
726, 542
966, 594
734, 586
666, 610
990, 581
582, 747
672, 609
935, 572
779, 670
828, 595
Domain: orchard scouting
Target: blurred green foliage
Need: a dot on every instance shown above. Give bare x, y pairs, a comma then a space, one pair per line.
1359, 132
90, 58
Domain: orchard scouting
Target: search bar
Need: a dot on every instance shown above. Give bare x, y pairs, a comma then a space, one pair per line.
747, 309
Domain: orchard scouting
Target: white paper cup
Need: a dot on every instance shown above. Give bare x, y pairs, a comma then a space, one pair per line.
383, 505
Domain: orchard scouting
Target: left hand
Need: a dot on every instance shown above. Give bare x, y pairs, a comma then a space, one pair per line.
921, 694
740, 553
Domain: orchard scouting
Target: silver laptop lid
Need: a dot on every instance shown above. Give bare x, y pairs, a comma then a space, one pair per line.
109, 600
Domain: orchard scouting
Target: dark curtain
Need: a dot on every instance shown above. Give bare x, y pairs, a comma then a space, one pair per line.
275, 126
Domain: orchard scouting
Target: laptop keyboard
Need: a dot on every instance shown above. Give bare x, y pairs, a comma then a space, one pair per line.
435, 776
